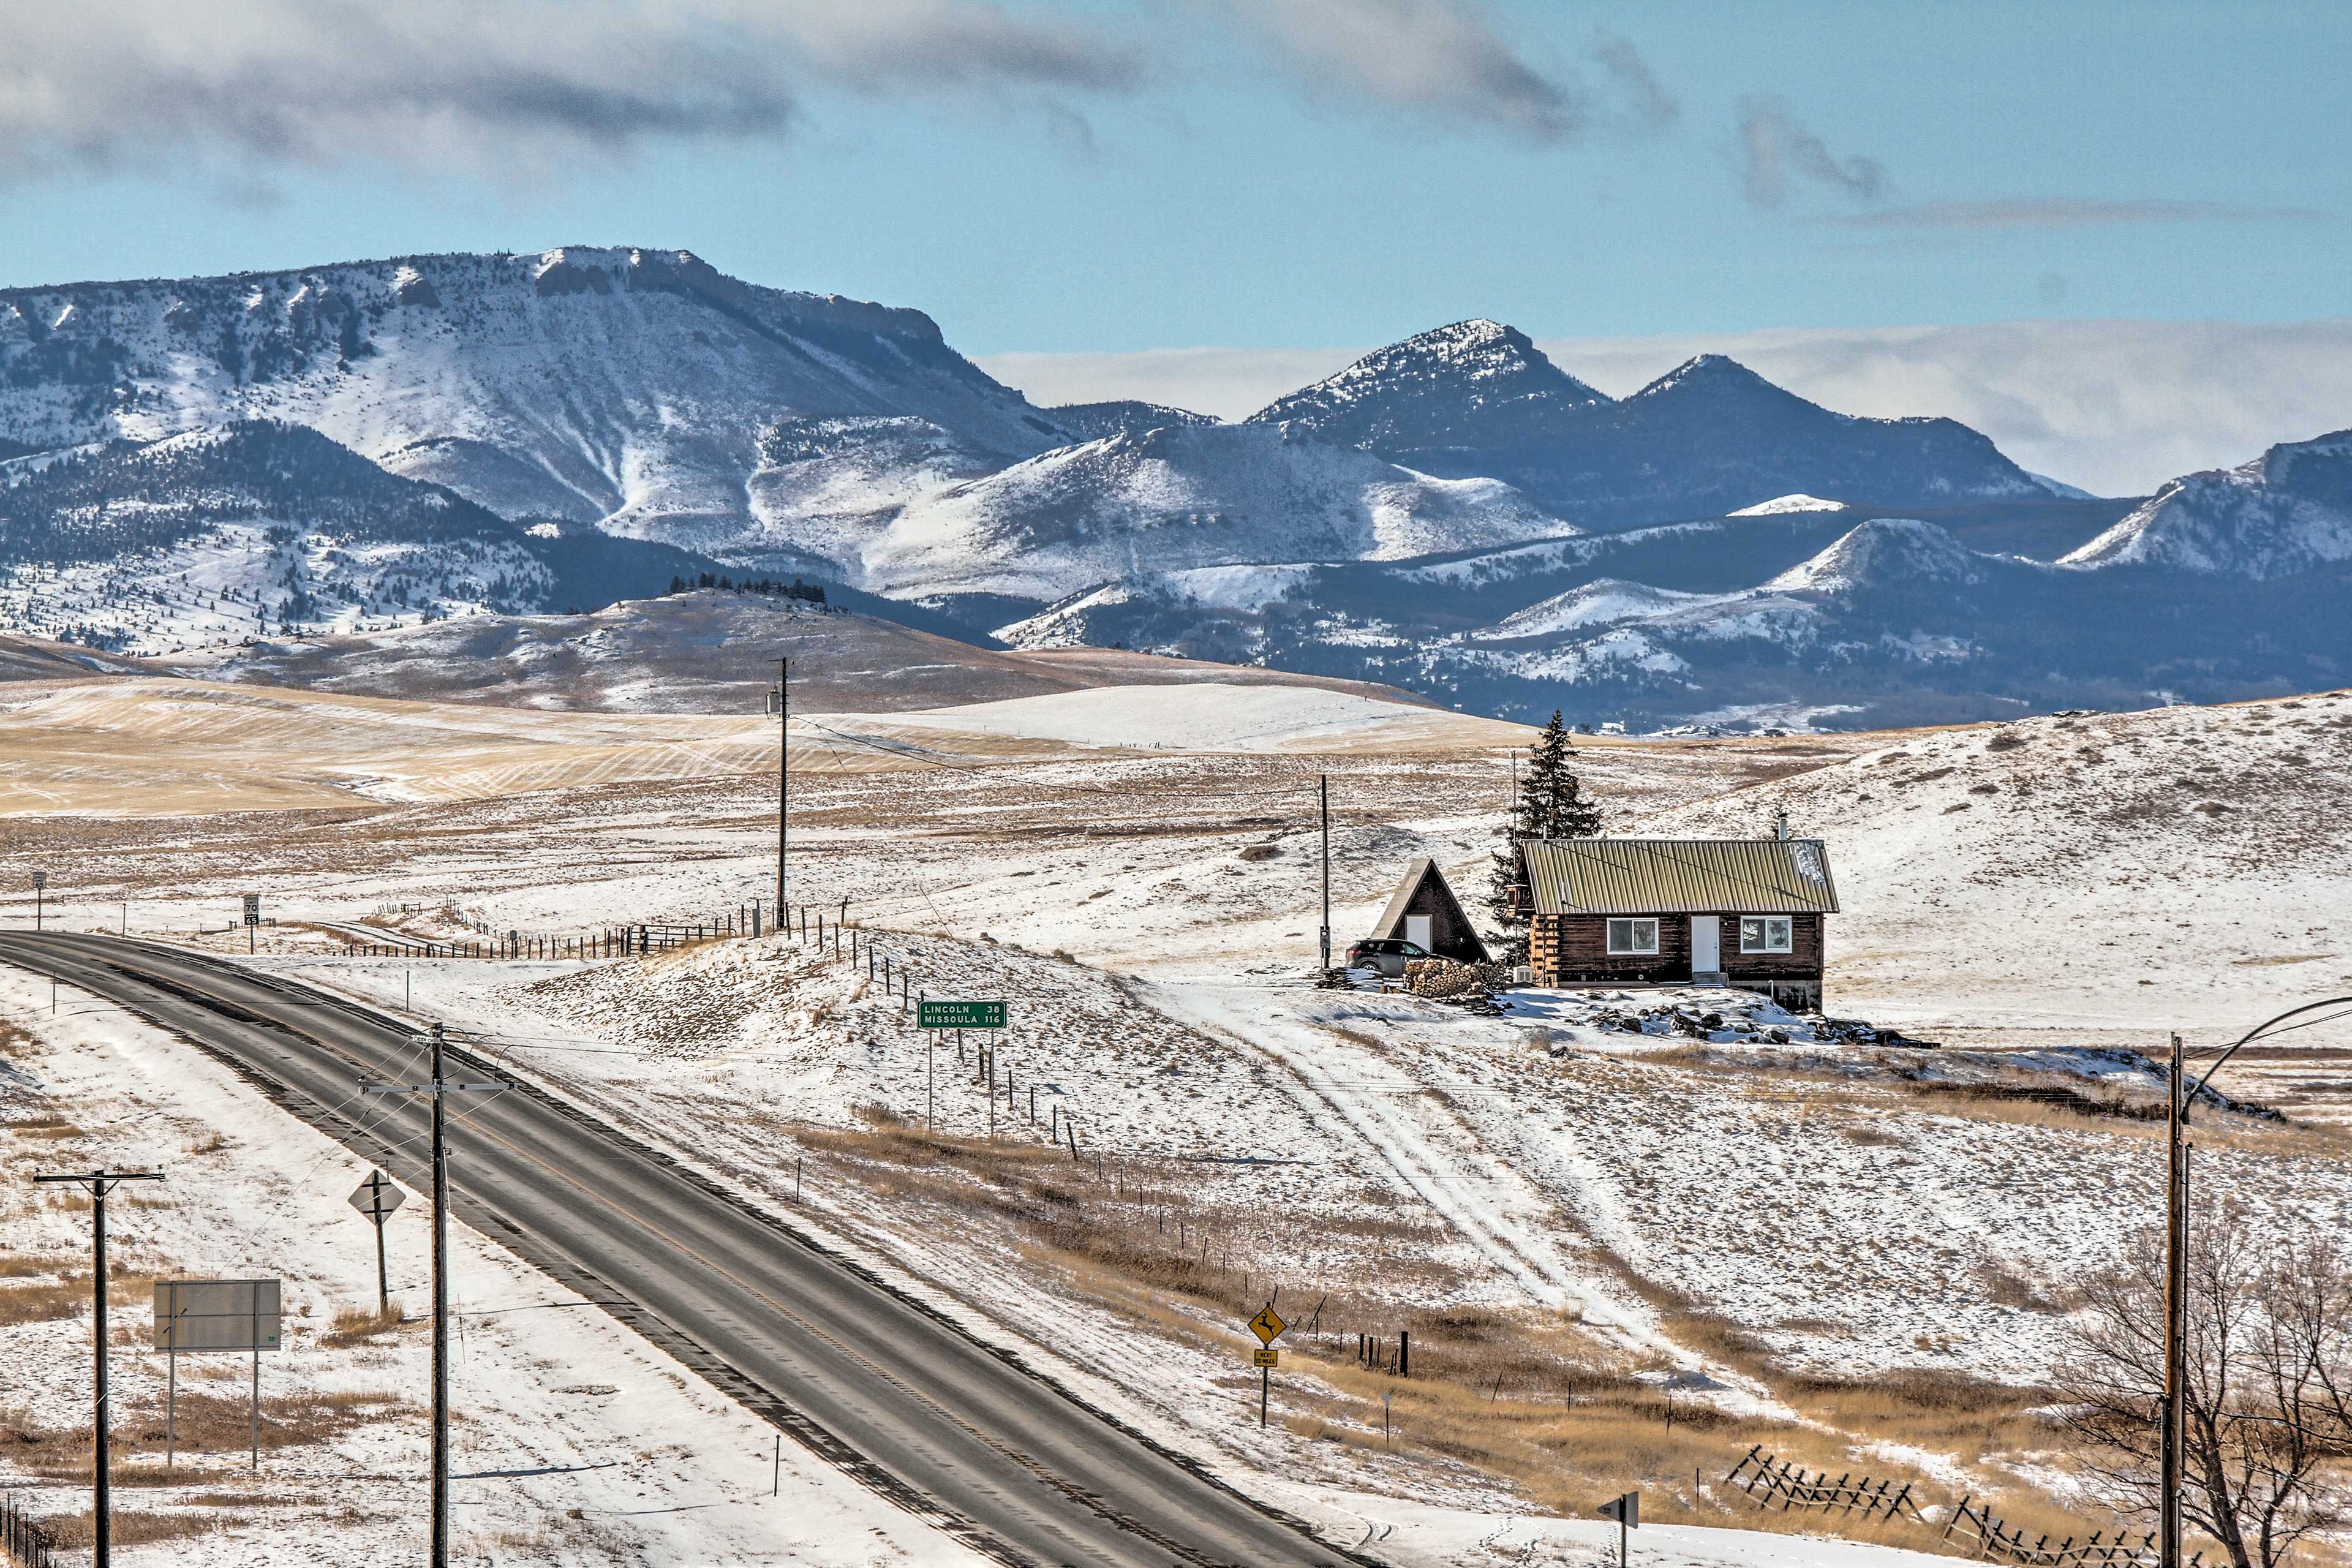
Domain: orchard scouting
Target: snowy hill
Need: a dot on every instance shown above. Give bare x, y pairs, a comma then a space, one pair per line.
257, 527
1705, 438
1181, 497
626, 387
1127, 417
2288, 511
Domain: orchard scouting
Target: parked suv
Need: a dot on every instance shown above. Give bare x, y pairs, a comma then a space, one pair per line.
1384, 954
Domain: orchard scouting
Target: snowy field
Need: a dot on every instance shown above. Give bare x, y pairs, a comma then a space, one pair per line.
1551, 1199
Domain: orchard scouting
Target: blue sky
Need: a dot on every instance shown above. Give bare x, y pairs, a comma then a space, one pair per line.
1223, 191
1084, 177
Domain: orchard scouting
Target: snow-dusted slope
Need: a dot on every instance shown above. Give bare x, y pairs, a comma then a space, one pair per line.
628, 386
259, 529
1183, 497
2288, 511
1125, 417
1779, 504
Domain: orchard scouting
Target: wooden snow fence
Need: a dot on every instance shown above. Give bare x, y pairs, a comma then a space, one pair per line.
1771, 1480
1792, 1488
2006, 1543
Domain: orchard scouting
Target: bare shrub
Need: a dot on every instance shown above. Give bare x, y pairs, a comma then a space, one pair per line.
2266, 1409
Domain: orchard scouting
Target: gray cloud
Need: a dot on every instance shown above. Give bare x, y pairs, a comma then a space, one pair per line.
1647, 105
2069, 211
1779, 153
1446, 60
2116, 406
516, 87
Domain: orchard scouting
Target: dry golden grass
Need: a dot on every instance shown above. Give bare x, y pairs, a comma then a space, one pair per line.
359, 1325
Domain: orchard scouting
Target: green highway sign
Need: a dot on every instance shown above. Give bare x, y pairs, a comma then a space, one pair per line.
959, 1016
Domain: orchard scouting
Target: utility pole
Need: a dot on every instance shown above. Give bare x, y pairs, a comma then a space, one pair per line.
100, 1182
1323, 788
2176, 1309
439, 1087
783, 708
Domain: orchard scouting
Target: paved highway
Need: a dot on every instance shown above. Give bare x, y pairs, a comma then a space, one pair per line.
915, 1406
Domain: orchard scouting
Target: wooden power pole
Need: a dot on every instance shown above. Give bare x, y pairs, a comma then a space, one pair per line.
784, 777
439, 1087
100, 1182
784, 780
2175, 1311
1323, 788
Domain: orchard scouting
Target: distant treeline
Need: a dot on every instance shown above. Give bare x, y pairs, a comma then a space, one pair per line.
813, 592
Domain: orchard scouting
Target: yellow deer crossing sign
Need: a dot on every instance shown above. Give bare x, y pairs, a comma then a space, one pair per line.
1268, 1325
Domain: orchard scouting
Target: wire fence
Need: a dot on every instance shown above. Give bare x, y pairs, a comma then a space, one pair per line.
23, 1541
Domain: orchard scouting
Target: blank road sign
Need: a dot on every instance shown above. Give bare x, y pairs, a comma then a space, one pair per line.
1268, 1325
959, 1016
377, 1197
217, 1315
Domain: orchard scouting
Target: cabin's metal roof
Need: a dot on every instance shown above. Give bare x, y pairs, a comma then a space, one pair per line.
1679, 876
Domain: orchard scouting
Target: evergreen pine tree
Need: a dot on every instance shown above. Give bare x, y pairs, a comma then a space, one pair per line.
1551, 804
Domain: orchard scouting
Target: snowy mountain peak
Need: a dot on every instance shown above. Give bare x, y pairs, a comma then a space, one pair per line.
1885, 552
2288, 511
1711, 375
1453, 385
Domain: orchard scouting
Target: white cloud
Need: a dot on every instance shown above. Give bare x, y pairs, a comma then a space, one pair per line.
2116, 407
1778, 151
1447, 61
513, 89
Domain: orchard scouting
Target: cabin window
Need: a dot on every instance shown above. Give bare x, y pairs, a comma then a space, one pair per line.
1767, 934
1631, 936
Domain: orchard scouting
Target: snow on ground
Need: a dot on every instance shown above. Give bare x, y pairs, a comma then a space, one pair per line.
1218, 718
2179, 867
573, 1441
1777, 505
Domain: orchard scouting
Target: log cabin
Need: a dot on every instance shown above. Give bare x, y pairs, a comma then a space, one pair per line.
1744, 912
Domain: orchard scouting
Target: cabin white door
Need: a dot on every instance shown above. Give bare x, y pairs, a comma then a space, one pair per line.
1416, 932
1706, 944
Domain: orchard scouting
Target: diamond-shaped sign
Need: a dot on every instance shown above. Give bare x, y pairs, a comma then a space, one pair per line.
377, 1196
1268, 1325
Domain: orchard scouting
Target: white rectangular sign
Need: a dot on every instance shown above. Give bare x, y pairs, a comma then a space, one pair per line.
217, 1315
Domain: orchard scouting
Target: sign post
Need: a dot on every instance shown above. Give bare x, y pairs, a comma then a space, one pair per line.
376, 1198
1627, 1511
931, 1016
193, 1315
40, 895
1267, 1326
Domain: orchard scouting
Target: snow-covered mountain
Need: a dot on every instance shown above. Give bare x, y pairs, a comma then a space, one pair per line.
1474, 384
631, 389
2287, 512
1178, 497
1707, 438
1804, 618
260, 527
